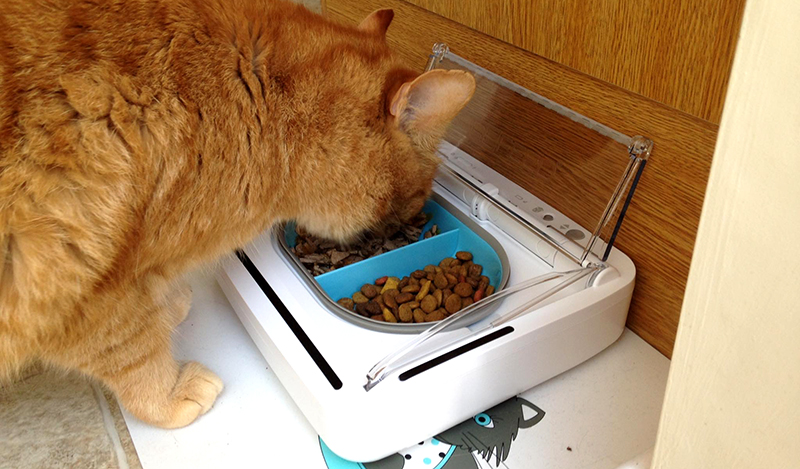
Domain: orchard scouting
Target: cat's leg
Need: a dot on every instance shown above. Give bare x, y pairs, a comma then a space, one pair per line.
133, 357
178, 301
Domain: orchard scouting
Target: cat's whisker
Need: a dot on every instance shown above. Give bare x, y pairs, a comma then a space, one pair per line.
473, 445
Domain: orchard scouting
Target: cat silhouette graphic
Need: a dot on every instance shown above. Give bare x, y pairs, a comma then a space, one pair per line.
486, 437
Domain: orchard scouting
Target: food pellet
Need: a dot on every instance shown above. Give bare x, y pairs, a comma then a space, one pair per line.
405, 313
428, 304
440, 280
437, 315
369, 290
419, 316
475, 270
452, 304
388, 316
404, 298
463, 290
452, 280
390, 284
426, 287
390, 299
464, 256
373, 308
437, 295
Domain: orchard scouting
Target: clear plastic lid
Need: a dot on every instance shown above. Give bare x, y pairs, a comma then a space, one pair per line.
571, 177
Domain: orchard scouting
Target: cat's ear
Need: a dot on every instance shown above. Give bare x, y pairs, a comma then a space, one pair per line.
427, 104
531, 414
377, 22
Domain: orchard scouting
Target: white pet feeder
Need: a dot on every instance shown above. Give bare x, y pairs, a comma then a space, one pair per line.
370, 389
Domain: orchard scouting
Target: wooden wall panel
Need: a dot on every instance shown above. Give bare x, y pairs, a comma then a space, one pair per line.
662, 221
677, 53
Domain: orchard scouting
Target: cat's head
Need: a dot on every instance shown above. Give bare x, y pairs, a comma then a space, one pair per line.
377, 157
490, 433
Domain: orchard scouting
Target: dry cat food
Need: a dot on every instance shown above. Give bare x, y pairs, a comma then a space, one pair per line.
320, 256
426, 295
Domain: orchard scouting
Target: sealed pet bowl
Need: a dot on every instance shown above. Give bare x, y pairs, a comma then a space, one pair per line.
455, 233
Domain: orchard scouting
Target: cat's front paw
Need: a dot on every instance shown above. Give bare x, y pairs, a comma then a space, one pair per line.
194, 394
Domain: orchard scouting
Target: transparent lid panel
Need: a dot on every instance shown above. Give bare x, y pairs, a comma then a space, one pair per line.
579, 172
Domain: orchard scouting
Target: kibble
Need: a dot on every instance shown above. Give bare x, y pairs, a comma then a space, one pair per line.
419, 316
426, 287
437, 295
475, 271
452, 280
369, 290
425, 295
405, 313
428, 304
373, 308
390, 298
347, 303
463, 290
452, 304
437, 315
404, 297
388, 316
320, 256
440, 281
464, 256
390, 284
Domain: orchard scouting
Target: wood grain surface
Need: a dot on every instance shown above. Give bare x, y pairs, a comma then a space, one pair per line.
662, 221
677, 53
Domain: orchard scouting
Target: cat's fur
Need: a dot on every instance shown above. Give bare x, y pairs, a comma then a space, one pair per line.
142, 138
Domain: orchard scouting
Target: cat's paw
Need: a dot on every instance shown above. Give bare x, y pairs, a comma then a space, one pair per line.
194, 394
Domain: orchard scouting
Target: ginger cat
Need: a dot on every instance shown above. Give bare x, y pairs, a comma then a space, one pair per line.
142, 138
